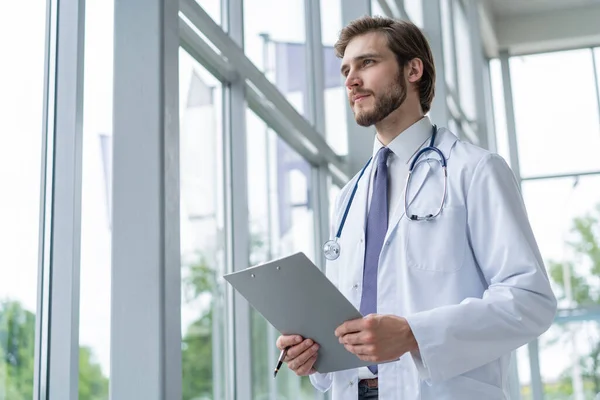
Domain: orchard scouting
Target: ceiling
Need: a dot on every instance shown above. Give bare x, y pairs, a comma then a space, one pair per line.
505, 8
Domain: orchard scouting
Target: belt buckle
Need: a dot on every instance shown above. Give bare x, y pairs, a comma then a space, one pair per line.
370, 383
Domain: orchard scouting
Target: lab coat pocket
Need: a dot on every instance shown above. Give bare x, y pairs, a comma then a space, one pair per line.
439, 244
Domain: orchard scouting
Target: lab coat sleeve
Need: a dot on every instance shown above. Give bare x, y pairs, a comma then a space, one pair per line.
321, 382
518, 304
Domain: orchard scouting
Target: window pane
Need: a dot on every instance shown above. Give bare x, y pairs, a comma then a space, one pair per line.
569, 242
448, 43
277, 46
558, 130
564, 199
597, 64
94, 311
281, 222
202, 232
466, 86
499, 109
336, 127
414, 9
21, 106
212, 8
568, 360
376, 8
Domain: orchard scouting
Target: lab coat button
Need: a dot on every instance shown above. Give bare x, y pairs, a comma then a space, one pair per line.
351, 383
355, 286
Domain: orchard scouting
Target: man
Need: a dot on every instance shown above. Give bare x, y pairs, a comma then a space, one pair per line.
447, 292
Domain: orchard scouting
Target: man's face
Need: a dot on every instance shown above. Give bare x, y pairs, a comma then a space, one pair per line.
374, 82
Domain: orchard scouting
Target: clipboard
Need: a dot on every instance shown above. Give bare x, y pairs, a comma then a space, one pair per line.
298, 299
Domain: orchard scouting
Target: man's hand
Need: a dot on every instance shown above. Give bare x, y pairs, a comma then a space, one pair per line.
301, 355
377, 338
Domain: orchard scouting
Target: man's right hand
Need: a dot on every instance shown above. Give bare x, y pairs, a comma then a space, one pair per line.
301, 355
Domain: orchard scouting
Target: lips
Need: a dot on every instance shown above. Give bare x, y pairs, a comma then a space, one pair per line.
358, 97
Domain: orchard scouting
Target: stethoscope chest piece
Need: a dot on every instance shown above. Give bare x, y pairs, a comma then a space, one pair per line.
331, 249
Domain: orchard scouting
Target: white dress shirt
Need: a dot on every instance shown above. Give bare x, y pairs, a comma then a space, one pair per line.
403, 147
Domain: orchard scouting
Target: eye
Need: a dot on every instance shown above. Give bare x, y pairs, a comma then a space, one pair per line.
368, 61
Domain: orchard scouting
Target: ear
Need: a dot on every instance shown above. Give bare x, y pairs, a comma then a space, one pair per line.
415, 70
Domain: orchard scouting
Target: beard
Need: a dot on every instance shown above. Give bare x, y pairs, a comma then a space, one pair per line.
384, 104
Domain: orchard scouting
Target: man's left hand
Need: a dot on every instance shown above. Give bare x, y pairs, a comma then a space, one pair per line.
377, 338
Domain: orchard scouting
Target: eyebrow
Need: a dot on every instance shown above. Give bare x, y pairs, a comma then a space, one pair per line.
359, 58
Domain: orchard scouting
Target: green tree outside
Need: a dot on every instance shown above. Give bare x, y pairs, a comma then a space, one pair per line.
585, 292
17, 346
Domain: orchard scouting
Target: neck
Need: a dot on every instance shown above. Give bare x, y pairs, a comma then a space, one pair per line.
396, 123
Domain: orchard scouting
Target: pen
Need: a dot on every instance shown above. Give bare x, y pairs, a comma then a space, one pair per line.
280, 361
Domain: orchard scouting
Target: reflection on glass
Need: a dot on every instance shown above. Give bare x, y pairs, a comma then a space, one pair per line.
376, 9
202, 232
499, 109
466, 85
336, 127
281, 222
448, 43
94, 313
558, 127
212, 8
597, 65
277, 46
414, 9
569, 243
21, 105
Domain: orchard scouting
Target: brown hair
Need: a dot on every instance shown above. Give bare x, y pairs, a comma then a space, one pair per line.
405, 40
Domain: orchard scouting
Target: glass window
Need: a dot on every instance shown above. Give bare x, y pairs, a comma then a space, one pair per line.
466, 85
21, 113
336, 124
597, 64
281, 222
569, 243
414, 9
277, 46
95, 272
202, 233
212, 8
448, 43
501, 128
558, 127
564, 199
376, 8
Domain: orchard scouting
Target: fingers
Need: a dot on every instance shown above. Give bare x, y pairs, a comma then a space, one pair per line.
364, 337
361, 350
307, 367
303, 362
298, 349
284, 341
352, 326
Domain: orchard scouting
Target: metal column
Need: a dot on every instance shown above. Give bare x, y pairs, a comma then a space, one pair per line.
360, 139
146, 268
236, 195
432, 27
57, 373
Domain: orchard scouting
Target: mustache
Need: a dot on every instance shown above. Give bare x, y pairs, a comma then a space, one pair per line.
359, 93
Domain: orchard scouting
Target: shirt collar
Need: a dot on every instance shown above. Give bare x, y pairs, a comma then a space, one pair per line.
405, 145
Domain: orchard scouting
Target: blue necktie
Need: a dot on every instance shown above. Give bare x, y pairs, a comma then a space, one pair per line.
377, 224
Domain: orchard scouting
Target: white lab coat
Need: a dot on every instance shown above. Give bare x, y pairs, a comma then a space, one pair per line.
471, 283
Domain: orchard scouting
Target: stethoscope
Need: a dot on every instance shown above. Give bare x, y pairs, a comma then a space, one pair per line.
331, 248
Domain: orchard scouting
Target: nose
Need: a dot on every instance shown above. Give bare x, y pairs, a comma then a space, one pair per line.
352, 80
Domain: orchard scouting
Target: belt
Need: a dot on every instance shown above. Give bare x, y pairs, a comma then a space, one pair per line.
370, 383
